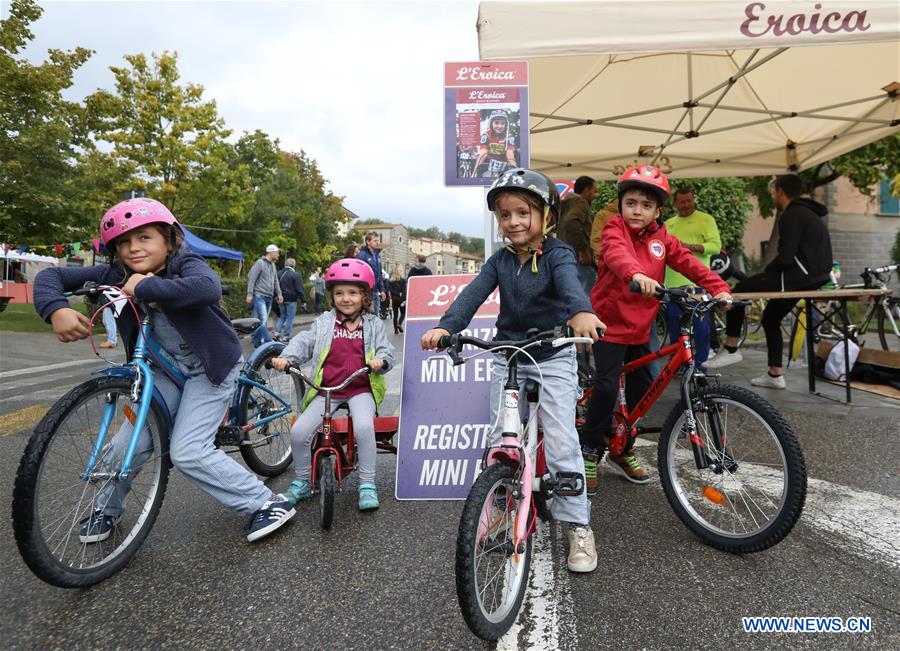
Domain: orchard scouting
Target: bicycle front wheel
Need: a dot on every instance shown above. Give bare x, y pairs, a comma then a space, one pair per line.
889, 325
490, 576
268, 449
327, 487
53, 503
753, 492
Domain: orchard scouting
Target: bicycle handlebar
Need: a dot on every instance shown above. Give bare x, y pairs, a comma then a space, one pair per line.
559, 336
683, 297
293, 370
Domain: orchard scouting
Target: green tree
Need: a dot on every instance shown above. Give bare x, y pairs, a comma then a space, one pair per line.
726, 200
40, 137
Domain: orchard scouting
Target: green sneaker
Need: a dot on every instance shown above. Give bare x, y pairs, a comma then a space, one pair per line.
627, 465
299, 490
368, 497
591, 459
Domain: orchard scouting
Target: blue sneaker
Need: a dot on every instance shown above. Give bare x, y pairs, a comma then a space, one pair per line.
97, 527
272, 515
299, 490
368, 497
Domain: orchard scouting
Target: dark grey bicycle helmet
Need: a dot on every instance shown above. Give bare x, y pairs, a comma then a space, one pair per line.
531, 181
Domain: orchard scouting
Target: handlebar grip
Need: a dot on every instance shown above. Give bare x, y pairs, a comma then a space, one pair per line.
445, 342
634, 286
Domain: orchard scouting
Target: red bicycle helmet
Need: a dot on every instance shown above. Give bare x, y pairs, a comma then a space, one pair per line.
350, 270
644, 177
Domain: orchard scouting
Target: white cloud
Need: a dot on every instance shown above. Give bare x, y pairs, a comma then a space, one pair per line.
358, 86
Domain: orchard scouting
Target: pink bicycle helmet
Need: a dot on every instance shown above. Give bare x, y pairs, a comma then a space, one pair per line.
133, 213
350, 270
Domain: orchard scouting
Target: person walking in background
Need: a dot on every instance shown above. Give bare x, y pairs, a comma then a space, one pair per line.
109, 323
292, 293
262, 288
398, 298
419, 269
371, 255
803, 263
699, 234
319, 290
351, 251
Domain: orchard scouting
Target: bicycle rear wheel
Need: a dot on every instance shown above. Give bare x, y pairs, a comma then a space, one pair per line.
490, 577
268, 450
889, 325
753, 492
51, 501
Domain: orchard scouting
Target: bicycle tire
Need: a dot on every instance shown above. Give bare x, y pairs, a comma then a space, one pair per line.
887, 337
484, 621
661, 323
707, 504
268, 451
327, 487
47, 517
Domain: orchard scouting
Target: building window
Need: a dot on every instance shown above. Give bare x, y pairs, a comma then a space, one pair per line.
888, 204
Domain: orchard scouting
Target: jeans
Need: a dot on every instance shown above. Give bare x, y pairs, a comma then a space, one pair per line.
109, 322
557, 416
701, 332
362, 411
261, 307
197, 410
320, 300
376, 303
286, 320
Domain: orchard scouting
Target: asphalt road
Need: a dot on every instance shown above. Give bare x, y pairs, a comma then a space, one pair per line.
385, 579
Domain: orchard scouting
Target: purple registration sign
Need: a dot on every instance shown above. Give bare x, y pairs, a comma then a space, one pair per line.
445, 411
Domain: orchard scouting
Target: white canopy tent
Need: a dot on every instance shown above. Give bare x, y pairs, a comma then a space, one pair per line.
700, 88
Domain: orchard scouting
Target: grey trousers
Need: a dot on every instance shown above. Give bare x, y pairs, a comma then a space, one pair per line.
362, 411
198, 410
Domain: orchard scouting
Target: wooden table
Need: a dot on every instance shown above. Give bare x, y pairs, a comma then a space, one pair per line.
812, 297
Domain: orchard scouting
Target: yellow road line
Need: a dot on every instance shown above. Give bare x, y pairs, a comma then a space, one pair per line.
21, 419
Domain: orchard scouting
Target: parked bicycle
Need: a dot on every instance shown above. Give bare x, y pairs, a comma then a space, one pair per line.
494, 540
73, 458
334, 445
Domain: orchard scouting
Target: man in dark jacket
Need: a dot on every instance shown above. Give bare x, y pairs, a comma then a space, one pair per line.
371, 255
803, 263
575, 222
292, 292
419, 269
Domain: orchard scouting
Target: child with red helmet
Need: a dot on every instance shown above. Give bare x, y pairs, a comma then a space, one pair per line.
539, 288
339, 342
181, 294
635, 248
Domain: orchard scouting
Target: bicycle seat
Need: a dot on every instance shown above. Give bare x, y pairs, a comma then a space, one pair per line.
245, 326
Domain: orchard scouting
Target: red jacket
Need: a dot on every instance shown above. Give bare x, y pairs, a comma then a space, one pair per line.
625, 252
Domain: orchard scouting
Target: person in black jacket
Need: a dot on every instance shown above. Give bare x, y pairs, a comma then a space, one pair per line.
397, 286
803, 263
292, 291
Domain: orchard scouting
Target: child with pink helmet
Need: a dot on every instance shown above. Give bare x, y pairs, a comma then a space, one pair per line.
150, 262
339, 342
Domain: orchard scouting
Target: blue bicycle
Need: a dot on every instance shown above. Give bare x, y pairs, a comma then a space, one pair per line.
83, 451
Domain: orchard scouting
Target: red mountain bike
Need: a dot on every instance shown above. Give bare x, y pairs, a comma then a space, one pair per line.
729, 463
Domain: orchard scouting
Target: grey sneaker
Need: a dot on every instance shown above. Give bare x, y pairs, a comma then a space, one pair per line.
768, 382
582, 551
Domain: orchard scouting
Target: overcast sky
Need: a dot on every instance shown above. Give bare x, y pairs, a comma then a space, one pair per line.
358, 86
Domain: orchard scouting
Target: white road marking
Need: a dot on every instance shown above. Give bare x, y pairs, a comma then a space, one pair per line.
48, 367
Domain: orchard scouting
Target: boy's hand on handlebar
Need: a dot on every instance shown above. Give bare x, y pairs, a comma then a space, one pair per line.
724, 296
133, 281
70, 325
376, 364
586, 324
431, 338
280, 363
647, 285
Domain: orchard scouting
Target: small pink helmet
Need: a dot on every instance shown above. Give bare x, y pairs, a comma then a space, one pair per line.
350, 270
133, 213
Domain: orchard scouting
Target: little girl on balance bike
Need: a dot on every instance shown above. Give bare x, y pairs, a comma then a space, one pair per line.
340, 342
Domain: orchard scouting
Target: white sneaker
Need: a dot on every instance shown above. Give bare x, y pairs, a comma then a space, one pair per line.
769, 382
724, 358
582, 550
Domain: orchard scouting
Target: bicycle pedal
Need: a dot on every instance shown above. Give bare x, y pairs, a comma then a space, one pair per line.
229, 435
568, 484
